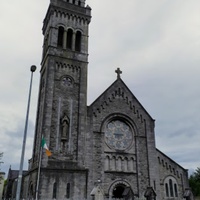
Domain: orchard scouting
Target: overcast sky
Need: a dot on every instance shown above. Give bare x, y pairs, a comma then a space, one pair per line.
155, 43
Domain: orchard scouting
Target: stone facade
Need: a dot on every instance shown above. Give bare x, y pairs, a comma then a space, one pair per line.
102, 151
173, 177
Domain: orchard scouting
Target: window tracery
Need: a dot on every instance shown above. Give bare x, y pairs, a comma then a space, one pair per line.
171, 187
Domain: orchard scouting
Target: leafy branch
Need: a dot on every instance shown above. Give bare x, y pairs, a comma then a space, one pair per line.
194, 181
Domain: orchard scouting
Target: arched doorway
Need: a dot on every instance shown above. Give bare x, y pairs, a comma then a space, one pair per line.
118, 191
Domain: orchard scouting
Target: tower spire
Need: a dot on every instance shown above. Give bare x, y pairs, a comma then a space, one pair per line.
62, 106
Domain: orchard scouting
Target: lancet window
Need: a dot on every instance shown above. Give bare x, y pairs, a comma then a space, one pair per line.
171, 189
68, 191
69, 39
54, 190
60, 36
78, 41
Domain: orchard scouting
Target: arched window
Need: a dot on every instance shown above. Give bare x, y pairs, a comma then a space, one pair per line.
175, 190
79, 3
171, 188
166, 190
54, 190
78, 41
60, 36
69, 38
68, 191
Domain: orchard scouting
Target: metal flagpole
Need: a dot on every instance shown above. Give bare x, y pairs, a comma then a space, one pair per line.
38, 176
33, 68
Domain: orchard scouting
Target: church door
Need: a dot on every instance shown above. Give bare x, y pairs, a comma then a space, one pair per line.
118, 192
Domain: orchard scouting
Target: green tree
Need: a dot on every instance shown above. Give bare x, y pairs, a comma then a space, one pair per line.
194, 182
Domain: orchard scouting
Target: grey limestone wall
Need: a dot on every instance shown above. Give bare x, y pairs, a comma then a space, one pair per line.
119, 103
169, 169
60, 180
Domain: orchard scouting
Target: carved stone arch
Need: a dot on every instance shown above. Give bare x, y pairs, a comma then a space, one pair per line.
60, 25
78, 30
116, 183
122, 157
107, 156
169, 176
70, 28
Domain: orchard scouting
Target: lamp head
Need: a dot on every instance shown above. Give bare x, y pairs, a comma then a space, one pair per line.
33, 68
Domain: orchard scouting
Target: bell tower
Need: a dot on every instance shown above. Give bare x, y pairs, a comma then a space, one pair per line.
62, 109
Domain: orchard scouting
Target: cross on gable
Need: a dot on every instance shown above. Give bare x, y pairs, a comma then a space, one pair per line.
118, 71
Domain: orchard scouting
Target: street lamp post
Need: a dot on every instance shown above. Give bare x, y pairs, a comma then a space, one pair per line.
33, 68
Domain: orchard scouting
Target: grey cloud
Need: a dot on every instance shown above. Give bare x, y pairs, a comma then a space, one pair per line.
155, 43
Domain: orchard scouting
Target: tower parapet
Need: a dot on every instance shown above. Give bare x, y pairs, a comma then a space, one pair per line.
75, 2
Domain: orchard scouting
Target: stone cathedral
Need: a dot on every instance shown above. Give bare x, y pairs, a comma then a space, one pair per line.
102, 151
